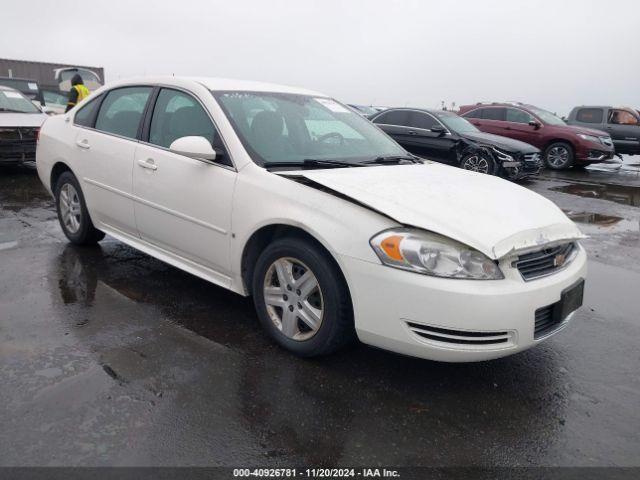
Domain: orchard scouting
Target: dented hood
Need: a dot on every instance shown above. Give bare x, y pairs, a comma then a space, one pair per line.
490, 214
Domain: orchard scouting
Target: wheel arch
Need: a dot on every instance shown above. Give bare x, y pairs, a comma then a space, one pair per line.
559, 140
267, 234
58, 169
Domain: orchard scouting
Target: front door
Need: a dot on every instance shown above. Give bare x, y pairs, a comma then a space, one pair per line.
517, 126
183, 205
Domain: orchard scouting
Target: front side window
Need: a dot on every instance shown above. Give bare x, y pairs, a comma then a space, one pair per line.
622, 117
495, 113
291, 128
394, 117
518, 116
85, 116
121, 111
177, 114
456, 124
589, 115
14, 101
548, 118
422, 120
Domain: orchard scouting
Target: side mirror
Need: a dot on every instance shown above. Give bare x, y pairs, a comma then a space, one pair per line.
535, 124
194, 147
438, 129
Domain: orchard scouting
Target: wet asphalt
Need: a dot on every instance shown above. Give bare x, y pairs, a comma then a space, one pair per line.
110, 357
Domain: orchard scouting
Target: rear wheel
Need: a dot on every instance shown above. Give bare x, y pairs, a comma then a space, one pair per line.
559, 155
72, 212
301, 298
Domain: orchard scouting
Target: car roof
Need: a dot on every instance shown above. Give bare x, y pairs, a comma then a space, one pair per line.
215, 84
432, 111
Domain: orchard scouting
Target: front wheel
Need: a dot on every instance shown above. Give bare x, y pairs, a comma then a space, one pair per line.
559, 155
478, 162
301, 298
72, 212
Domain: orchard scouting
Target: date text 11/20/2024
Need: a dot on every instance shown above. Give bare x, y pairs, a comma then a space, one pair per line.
316, 473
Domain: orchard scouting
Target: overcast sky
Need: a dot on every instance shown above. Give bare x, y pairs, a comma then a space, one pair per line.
551, 53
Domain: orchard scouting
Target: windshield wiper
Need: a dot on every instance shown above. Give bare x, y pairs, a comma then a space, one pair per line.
394, 160
313, 163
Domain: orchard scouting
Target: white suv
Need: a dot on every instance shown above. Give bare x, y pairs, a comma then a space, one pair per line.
291, 197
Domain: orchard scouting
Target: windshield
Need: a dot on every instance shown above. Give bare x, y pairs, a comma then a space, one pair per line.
27, 87
13, 101
456, 123
547, 117
279, 127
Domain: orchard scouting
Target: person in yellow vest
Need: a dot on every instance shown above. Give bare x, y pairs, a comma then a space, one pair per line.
77, 93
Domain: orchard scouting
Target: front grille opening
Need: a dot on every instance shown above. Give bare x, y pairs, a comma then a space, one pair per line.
545, 262
459, 337
545, 321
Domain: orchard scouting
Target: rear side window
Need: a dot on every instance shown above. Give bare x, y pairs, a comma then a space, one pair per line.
477, 113
122, 110
422, 120
86, 114
518, 116
394, 117
493, 113
177, 114
590, 115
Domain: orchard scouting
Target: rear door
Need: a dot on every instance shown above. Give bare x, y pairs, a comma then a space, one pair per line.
183, 205
396, 124
488, 119
103, 153
624, 128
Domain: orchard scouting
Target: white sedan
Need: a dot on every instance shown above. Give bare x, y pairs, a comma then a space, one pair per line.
289, 196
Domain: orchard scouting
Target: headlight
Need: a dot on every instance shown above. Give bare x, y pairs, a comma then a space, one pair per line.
503, 157
589, 138
432, 254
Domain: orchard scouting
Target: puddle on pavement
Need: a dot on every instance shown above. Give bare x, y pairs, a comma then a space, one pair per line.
590, 222
623, 194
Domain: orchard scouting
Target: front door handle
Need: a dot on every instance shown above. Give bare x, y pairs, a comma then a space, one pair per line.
83, 144
412, 132
148, 163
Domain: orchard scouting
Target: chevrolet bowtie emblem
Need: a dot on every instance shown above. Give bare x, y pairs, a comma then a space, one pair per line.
559, 260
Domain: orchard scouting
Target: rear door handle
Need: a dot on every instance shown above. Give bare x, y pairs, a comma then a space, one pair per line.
412, 132
148, 163
83, 144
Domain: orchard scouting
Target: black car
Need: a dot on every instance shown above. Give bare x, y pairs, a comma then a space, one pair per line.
445, 137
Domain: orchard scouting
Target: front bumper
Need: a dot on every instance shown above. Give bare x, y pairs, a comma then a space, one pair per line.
399, 311
17, 151
594, 153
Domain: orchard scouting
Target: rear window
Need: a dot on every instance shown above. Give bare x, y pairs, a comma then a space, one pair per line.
590, 115
477, 113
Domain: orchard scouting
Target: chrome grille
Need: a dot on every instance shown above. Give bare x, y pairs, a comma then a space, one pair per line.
531, 157
545, 262
460, 337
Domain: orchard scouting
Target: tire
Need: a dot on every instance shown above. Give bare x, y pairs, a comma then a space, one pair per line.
559, 156
310, 337
478, 162
72, 212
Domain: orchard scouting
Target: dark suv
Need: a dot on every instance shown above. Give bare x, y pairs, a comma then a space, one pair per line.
445, 137
623, 124
563, 145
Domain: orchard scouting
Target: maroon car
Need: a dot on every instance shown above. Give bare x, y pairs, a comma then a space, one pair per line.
562, 145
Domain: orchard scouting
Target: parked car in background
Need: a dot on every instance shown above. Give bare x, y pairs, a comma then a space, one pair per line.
56, 101
20, 121
621, 123
446, 137
290, 196
28, 87
562, 145
364, 110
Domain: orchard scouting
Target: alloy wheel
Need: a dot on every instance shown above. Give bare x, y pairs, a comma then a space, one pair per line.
70, 210
476, 163
558, 156
293, 298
